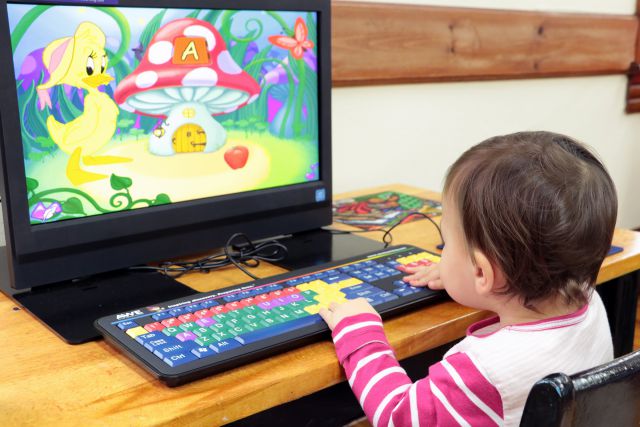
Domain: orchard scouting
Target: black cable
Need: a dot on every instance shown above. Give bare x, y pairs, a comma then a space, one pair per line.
249, 255
387, 238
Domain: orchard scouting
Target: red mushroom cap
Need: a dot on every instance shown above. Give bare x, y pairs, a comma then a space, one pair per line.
158, 84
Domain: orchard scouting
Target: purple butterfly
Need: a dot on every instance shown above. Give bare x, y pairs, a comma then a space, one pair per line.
43, 213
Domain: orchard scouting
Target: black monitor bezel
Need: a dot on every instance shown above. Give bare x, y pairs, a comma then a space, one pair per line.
268, 210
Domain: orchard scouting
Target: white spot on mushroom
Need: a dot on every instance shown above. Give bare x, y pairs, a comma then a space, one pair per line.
230, 110
146, 79
126, 107
227, 64
160, 52
202, 76
201, 31
253, 98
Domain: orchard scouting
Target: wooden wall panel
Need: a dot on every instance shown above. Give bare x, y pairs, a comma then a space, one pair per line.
633, 82
376, 43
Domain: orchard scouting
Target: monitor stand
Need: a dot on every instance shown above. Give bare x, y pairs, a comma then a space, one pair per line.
321, 246
70, 308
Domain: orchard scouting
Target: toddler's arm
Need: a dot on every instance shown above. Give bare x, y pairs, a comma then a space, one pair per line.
454, 393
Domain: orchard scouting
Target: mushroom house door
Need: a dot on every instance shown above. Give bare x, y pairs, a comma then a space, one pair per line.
189, 138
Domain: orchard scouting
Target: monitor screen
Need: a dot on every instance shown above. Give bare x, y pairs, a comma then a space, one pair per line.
141, 130
127, 108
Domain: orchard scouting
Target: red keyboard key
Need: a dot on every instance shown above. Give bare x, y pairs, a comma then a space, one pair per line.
291, 290
234, 306
218, 309
275, 294
171, 322
155, 326
186, 318
263, 298
202, 313
248, 301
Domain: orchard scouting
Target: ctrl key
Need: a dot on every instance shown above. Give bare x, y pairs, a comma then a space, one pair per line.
177, 359
176, 354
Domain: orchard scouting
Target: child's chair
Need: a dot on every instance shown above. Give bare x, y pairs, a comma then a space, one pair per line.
607, 395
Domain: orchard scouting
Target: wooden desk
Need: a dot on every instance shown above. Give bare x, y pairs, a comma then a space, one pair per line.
44, 381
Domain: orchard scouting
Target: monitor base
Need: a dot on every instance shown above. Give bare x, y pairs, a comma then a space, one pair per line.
69, 309
320, 246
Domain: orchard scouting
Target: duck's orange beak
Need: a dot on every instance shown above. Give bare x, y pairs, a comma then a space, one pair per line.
98, 80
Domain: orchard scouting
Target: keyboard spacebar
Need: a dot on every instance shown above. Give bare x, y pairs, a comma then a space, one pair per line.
280, 329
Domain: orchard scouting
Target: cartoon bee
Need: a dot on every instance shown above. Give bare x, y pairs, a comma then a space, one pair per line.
159, 131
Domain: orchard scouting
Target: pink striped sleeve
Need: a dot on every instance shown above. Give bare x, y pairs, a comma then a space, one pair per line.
455, 390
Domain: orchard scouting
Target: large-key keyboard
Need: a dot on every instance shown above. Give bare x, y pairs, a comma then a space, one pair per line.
185, 339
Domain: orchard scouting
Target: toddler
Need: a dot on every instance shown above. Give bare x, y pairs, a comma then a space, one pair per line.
527, 221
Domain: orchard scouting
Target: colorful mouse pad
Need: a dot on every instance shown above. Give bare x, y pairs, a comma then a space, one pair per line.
376, 211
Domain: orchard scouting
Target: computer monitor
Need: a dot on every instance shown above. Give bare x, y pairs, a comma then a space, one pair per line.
143, 130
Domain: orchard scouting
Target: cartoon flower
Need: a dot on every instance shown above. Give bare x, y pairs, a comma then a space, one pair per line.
43, 213
297, 44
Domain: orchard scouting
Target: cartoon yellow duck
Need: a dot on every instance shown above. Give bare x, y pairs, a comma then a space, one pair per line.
81, 61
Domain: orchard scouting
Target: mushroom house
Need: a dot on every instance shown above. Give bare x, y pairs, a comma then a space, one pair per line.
186, 77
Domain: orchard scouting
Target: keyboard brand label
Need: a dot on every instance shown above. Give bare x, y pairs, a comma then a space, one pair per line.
129, 314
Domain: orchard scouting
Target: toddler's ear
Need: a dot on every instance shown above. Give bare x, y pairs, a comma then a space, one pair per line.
487, 276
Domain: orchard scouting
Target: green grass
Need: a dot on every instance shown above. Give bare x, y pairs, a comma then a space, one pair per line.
290, 160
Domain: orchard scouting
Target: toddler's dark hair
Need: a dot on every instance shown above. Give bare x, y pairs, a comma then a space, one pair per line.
541, 207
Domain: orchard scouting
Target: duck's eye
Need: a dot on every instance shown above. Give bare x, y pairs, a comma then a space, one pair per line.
90, 66
104, 64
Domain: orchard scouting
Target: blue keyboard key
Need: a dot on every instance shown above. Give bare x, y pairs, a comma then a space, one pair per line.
202, 352
182, 347
161, 316
193, 307
279, 329
177, 359
400, 283
144, 338
160, 342
209, 303
367, 293
176, 312
386, 296
231, 297
222, 346
357, 288
403, 292
127, 324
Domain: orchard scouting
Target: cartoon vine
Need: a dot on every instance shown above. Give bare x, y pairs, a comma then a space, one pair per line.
49, 204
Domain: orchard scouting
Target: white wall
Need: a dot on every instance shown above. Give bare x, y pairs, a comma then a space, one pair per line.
412, 133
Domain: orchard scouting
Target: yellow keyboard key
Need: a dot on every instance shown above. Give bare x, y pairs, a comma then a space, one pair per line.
327, 298
304, 286
134, 332
312, 309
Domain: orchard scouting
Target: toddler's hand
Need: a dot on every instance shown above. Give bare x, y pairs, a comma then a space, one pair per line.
425, 276
336, 312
